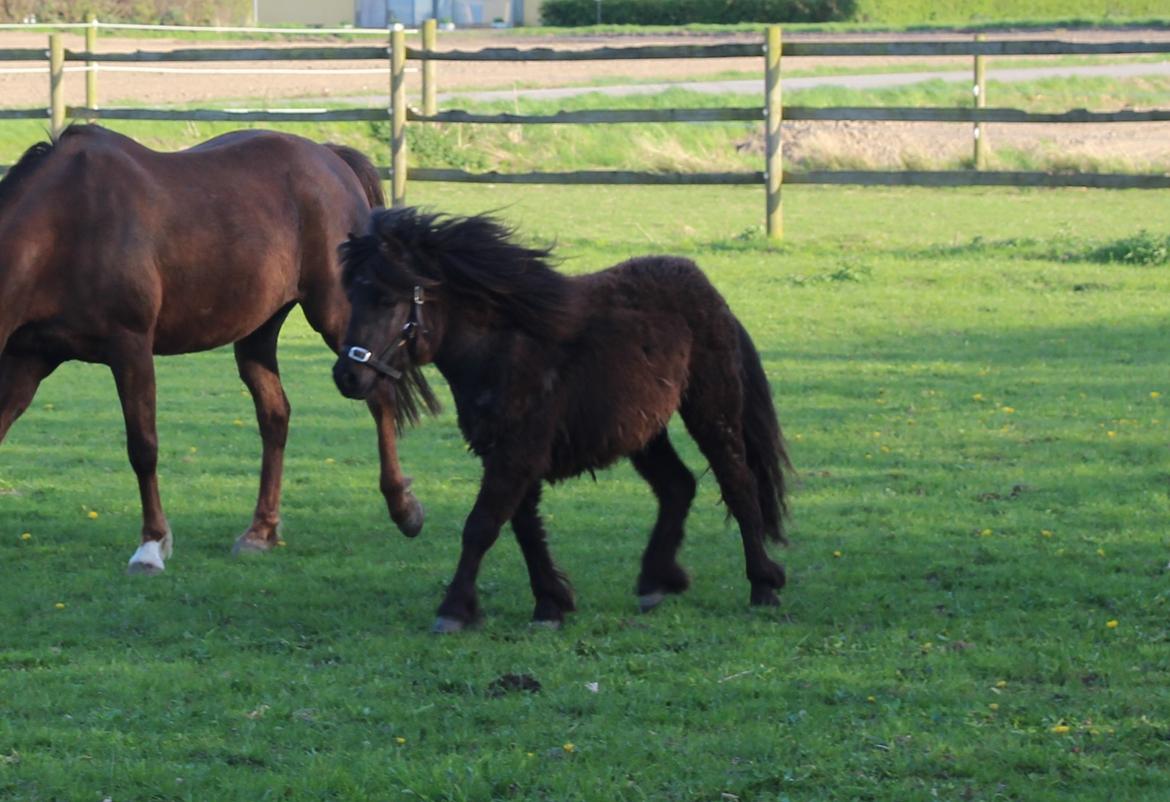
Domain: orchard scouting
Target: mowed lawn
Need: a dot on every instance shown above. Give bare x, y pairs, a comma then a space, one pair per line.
977, 401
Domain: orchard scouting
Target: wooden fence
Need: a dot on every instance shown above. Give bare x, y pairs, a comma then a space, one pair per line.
770, 48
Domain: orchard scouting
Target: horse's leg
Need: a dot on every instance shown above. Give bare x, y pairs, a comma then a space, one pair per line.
499, 498
554, 595
673, 484
256, 360
405, 510
133, 367
711, 413
327, 312
19, 378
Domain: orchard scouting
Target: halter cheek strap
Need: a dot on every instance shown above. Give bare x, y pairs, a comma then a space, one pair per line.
408, 336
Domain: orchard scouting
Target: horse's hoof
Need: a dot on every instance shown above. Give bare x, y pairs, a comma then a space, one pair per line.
446, 626
148, 560
412, 523
251, 545
648, 601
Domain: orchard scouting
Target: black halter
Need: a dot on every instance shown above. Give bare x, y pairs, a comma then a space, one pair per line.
408, 337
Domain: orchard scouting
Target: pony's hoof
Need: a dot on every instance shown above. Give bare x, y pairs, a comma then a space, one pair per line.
765, 597
446, 626
148, 560
412, 523
648, 601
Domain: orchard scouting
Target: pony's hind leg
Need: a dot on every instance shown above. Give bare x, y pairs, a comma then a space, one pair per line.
20, 376
132, 364
713, 418
674, 486
256, 360
554, 594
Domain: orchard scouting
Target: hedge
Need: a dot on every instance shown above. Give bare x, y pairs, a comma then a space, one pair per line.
683, 12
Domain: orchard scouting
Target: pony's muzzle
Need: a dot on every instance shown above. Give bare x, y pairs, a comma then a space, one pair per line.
351, 380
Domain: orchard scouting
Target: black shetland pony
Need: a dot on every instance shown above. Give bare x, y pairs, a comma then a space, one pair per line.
554, 375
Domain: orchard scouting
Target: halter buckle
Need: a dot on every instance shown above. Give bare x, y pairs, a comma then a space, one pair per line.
359, 354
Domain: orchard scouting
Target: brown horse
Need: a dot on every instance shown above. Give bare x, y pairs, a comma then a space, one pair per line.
553, 376
112, 253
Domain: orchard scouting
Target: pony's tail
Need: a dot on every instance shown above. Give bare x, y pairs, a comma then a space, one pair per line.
364, 169
764, 441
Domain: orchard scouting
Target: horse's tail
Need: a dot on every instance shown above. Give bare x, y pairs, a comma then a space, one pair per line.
364, 169
764, 441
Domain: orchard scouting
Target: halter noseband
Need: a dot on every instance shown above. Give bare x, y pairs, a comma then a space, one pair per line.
408, 336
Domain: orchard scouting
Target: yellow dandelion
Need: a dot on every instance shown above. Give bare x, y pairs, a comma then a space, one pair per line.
1046, 533
530, 754
1111, 623
1100, 552
193, 450
329, 460
1007, 410
1111, 434
281, 543
885, 449
1155, 394
871, 699
1059, 729
986, 533
400, 740
237, 422
1001, 684
977, 397
92, 514
569, 748
60, 605
837, 553
993, 706
26, 536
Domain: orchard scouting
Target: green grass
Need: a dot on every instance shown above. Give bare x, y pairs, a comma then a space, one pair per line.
974, 389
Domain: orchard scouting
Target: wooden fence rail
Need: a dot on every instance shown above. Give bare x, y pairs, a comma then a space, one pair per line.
771, 49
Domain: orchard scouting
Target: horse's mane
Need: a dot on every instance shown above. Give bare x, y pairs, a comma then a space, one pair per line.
32, 158
473, 257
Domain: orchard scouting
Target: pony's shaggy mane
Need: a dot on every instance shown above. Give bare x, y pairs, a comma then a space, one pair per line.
473, 257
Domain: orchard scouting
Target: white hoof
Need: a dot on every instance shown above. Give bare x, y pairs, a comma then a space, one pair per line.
648, 601
149, 557
445, 626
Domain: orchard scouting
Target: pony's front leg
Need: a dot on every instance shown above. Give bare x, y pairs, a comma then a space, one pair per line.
405, 509
498, 500
133, 369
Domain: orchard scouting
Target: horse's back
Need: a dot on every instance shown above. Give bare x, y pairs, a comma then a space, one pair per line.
200, 246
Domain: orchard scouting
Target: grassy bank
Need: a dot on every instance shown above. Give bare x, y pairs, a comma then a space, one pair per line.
973, 387
732, 146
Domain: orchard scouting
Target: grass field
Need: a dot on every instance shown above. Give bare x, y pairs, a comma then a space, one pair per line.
974, 389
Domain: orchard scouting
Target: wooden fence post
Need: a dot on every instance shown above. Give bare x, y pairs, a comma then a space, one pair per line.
397, 116
91, 67
980, 92
773, 169
56, 85
430, 90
